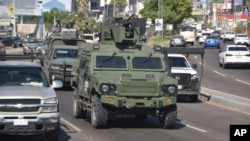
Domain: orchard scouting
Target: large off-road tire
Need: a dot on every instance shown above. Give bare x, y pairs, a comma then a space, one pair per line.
99, 115
78, 109
193, 98
168, 117
53, 135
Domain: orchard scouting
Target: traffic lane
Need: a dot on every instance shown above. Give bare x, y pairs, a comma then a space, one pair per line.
196, 121
234, 81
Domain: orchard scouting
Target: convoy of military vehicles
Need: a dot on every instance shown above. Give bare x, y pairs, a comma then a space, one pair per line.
119, 74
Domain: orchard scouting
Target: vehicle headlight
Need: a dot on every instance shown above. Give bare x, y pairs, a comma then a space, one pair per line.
195, 76
54, 66
169, 90
50, 105
107, 88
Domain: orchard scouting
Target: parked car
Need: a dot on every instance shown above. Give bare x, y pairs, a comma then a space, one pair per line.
18, 43
241, 39
177, 41
32, 45
212, 41
9, 41
234, 55
2, 50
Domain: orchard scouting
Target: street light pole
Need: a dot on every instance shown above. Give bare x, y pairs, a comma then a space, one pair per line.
14, 18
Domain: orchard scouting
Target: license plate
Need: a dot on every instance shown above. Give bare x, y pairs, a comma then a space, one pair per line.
20, 122
179, 87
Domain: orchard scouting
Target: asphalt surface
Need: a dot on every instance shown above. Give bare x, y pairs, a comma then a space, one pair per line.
231, 101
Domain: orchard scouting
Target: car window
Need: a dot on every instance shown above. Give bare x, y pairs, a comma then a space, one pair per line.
65, 53
178, 62
212, 37
86, 37
147, 63
242, 35
237, 49
110, 62
22, 76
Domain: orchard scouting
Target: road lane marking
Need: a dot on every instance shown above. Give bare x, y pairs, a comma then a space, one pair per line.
219, 73
195, 128
242, 81
70, 124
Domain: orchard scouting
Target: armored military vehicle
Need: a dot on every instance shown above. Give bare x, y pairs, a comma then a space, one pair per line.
121, 76
60, 51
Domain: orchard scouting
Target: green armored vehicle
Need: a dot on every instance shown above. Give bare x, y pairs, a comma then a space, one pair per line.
121, 76
59, 52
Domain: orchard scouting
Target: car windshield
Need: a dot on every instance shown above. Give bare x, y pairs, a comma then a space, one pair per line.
111, 62
178, 62
34, 41
237, 49
88, 37
65, 53
147, 62
22, 76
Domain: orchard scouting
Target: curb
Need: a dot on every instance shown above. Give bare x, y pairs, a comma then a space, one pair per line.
226, 100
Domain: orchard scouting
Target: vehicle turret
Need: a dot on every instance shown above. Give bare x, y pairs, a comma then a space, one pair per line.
123, 31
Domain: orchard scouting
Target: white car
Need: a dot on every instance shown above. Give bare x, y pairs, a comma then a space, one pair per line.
234, 55
187, 76
228, 36
241, 39
203, 37
90, 38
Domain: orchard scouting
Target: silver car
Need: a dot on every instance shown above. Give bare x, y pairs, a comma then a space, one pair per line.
28, 103
32, 46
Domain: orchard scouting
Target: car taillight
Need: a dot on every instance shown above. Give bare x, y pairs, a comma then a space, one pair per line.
229, 55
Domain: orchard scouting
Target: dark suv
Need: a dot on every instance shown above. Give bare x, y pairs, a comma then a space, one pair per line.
9, 41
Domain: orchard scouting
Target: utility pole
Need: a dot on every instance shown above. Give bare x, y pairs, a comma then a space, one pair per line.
14, 18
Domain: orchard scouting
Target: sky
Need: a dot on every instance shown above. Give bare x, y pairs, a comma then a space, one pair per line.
60, 4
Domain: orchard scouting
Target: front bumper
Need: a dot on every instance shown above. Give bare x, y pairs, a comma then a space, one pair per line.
29, 124
130, 102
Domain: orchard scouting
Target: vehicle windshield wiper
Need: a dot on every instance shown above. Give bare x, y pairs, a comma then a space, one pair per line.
109, 58
145, 60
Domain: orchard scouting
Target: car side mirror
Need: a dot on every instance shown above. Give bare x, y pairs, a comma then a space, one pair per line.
194, 66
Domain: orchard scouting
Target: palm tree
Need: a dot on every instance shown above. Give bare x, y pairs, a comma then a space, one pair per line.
119, 5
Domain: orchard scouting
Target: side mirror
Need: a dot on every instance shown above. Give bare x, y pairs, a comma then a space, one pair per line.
194, 66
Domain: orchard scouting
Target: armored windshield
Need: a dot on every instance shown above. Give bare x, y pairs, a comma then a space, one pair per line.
178, 62
22, 76
111, 62
65, 53
147, 62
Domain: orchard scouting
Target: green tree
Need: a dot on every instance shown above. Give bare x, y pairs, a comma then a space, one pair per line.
173, 11
119, 5
81, 5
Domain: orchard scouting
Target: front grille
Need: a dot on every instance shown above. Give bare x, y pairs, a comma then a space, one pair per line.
183, 78
140, 87
19, 105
